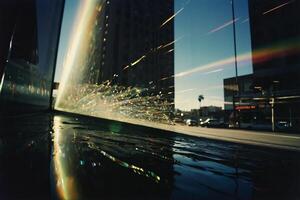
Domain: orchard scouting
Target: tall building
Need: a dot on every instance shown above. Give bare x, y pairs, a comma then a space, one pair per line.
134, 45
271, 95
275, 26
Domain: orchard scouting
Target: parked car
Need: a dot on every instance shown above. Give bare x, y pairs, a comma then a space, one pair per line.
283, 125
191, 122
212, 123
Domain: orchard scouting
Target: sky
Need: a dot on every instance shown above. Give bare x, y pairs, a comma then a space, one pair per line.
70, 11
204, 39
206, 32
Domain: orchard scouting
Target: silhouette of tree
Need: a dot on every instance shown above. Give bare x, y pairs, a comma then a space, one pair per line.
200, 99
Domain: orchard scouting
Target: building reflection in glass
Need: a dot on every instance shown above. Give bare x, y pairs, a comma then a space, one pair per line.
123, 66
268, 98
29, 38
149, 62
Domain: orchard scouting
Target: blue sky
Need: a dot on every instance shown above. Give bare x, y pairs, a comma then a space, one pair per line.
70, 9
200, 45
203, 38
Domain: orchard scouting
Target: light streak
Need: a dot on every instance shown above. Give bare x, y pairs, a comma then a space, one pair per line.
138, 60
135, 62
187, 90
277, 7
2, 81
171, 50
257, 56
134, 168
214, 71
65, 184
170, 18
245, 20
77, 46
170, 43
223, 26
157, 48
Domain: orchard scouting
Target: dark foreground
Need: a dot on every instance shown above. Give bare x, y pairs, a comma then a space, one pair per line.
62, 156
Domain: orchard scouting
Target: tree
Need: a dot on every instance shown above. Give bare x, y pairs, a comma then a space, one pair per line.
200, 99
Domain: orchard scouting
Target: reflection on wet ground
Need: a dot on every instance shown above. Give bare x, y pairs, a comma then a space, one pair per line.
62, 156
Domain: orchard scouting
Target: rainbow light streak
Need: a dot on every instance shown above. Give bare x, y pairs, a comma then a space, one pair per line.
65, 185
78, 44
261, 55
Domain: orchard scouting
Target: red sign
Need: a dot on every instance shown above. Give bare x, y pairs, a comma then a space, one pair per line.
245, 107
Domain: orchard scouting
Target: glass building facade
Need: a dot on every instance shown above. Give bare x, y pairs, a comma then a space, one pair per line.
29, 40
150, 99
231, 64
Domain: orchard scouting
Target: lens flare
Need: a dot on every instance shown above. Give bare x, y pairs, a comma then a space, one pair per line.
65, 185
79, 42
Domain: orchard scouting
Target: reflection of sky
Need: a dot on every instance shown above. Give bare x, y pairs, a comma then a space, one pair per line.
48, 13
67, 24
207, 38
204, 34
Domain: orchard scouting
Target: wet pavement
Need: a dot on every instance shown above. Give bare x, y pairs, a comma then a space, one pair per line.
64, 156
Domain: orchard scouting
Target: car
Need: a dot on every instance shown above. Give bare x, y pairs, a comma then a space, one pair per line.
191, 122
212, 123
283, 125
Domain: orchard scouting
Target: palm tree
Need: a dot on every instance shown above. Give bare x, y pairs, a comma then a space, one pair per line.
200, 98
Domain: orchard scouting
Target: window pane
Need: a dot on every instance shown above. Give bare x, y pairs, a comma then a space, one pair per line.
180, 63
29, 38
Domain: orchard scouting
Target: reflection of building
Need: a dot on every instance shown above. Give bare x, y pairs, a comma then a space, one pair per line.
29, 41
269, 96
133, 48
250, 108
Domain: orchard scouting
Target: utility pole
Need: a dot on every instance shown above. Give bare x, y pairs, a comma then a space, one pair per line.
273, 113
235, 63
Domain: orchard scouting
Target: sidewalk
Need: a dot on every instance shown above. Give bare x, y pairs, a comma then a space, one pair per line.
270, 139
252, 137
